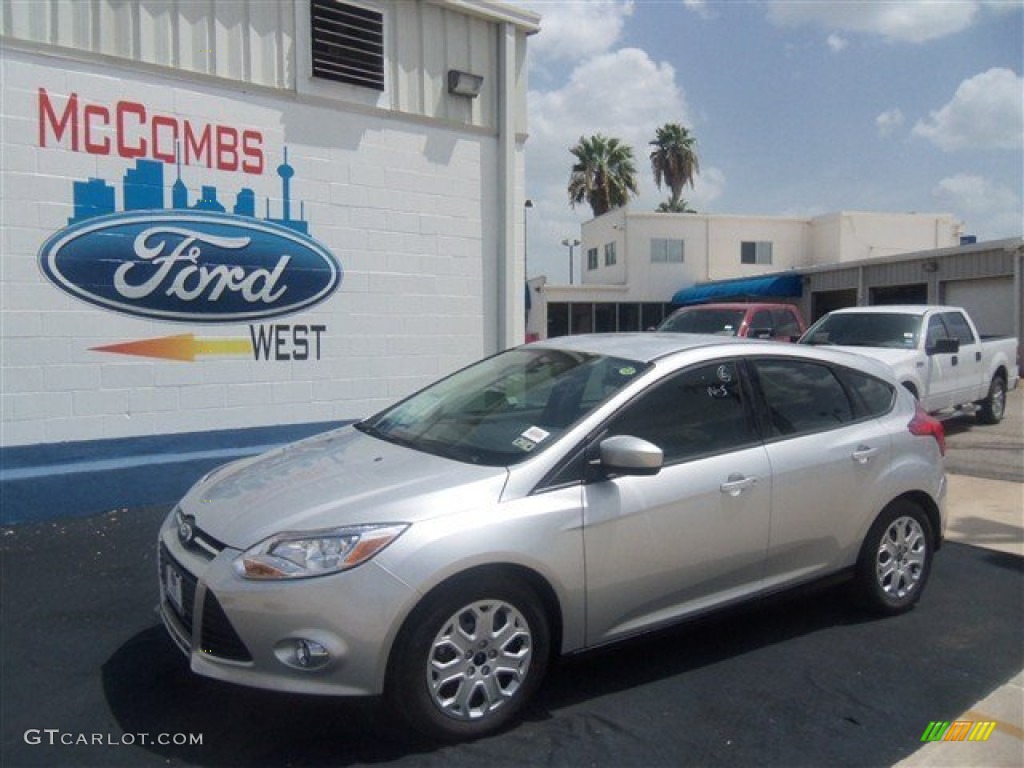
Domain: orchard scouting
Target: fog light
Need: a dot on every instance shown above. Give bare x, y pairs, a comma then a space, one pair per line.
309, 654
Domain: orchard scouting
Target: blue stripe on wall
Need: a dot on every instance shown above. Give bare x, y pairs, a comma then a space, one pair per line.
42, 482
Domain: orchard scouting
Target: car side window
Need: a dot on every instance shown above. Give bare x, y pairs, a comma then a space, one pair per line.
802, 396
697, 412
958, 328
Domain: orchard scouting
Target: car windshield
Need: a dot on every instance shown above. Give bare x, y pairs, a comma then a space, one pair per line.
870, 329
723, 322
505, 408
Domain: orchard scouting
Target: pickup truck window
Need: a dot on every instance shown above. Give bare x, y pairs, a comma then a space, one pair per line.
958, 327
786, 324
724, 322
873, 329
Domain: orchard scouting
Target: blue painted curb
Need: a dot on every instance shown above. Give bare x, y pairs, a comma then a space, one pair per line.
43, 482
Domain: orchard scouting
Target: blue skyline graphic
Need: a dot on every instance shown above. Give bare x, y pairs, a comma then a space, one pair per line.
143, 189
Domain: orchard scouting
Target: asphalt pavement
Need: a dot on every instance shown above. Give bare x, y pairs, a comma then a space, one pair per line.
90, 679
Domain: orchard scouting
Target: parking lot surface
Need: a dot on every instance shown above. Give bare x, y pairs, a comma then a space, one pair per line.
89, 678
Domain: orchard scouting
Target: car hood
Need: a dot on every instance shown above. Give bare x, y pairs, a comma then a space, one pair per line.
343, 477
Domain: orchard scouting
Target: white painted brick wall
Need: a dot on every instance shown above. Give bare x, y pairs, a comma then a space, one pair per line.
399, 204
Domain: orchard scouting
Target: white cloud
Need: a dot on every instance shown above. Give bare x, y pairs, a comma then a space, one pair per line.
700, 7
836, 43
897, 21
622, 94
989, 210
889, 121
986, 112
570, 31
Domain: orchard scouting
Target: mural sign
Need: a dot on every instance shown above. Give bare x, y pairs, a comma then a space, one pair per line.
191, 261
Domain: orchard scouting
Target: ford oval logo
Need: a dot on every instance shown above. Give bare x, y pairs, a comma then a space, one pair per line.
183, 266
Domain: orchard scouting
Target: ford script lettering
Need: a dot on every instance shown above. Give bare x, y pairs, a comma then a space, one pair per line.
190, 267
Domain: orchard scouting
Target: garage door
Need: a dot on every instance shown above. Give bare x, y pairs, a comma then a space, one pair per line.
989, 302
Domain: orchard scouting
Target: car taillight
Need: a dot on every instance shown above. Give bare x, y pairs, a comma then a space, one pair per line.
924, 424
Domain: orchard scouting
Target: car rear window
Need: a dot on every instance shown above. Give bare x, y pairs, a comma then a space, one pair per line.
875, 396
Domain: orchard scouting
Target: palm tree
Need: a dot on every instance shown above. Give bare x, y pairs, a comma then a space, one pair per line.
674, 160
604, 175
678, 206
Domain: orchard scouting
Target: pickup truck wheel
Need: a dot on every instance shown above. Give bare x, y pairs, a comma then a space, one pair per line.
895, 559
992, 408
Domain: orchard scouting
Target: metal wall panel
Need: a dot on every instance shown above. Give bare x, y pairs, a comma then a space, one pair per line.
235, 39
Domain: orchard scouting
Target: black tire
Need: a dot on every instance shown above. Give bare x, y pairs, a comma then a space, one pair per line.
895, 559
993, 407
491, 638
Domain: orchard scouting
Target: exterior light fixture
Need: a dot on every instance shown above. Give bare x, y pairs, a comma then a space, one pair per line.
464, 83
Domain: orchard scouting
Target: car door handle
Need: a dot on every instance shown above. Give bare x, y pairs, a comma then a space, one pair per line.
737, 484
863, 454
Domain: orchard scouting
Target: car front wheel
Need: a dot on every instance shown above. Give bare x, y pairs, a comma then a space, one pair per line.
468, 659
895, 559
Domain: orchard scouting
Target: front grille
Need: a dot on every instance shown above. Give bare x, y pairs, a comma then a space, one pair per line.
217, 637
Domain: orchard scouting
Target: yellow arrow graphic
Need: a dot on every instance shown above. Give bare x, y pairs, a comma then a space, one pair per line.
186, 347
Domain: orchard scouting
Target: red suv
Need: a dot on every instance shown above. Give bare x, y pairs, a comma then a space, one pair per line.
781, 322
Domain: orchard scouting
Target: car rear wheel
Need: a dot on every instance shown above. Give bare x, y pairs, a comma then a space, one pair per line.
468, 659
895, 559
992, 408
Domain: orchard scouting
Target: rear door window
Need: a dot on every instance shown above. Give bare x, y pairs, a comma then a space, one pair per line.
802, 397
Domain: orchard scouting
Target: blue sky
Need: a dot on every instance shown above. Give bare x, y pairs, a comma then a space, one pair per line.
799, 108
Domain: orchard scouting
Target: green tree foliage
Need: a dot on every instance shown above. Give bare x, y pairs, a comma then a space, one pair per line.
674, 162
604, 174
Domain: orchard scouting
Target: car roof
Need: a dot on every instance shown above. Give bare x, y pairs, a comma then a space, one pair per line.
651, 346
892, 309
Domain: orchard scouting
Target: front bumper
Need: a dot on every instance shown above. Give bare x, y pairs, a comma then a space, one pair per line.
246, 632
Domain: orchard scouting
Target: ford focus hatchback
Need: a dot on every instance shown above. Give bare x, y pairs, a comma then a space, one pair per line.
543, 501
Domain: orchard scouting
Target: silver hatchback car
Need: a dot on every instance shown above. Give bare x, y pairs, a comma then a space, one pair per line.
549, 499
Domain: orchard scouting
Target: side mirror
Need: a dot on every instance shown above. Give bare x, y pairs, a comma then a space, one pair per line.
944, 347
627, 455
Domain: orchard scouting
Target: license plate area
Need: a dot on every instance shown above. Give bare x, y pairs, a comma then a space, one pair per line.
173, 589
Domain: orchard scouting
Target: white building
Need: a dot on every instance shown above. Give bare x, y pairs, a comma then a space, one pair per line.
633, 264
221, 215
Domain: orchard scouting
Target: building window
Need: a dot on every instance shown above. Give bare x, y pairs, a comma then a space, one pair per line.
592, 258
755, 253
348, 43
609, 254
666, 251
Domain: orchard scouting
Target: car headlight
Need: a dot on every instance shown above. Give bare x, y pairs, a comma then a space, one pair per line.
315, 553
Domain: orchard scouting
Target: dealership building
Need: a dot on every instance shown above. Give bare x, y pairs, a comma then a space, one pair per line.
219, 216
636, 267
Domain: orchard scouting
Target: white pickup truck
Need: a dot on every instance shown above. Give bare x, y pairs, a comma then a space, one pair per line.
936, 352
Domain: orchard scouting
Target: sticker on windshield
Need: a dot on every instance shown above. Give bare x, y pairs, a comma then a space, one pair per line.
723, 374
629, 370
523, 444
535, 435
